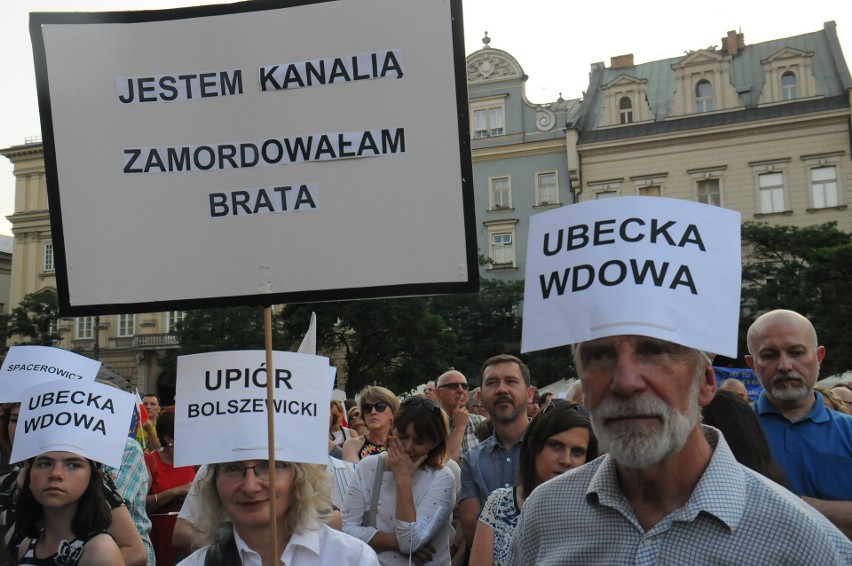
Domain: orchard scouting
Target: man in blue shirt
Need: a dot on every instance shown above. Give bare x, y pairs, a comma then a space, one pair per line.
494, 463
812, 444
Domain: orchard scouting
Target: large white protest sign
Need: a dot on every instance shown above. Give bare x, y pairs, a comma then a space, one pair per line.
86, 418
221, 398
257, 153
26, 366
658, 267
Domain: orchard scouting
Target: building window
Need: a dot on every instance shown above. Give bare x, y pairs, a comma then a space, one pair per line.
625, 110
709, 192
547, 188
48, 263
606, 194
500, 193
488, 121
650, 191
53, 327
771, 187
172, 319
788, 85
703, 96
85, 328
824, 187
502, 250
126, 325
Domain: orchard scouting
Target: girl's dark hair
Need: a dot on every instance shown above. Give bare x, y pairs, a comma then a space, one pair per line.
93, 514
553, 419
166, 424
430, 424
734, 417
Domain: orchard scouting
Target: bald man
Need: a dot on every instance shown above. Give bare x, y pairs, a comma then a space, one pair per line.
452, 391
736, 387
811, 444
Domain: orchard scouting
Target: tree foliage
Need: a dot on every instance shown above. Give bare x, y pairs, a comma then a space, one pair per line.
35, 318
804, 269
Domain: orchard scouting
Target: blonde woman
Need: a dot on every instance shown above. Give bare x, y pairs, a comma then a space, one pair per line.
235, 517
377, 408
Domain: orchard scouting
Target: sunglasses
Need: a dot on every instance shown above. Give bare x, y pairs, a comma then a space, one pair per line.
380, 407
354, 415
570, 405
464, 386
428, 403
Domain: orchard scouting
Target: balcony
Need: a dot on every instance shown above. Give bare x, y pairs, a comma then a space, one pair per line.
162, 341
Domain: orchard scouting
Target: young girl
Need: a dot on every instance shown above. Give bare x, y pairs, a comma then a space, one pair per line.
63, 513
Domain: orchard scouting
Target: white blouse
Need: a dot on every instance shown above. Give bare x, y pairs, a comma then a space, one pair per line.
434, 495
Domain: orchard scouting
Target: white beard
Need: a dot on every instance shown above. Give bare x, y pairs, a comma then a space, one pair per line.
640, 445
788, 392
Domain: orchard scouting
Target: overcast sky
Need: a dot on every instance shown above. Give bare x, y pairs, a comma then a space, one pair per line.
555, 41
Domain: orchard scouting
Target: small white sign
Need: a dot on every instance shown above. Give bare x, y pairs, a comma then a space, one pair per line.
26, 366
221, 397
658, 267
86, 418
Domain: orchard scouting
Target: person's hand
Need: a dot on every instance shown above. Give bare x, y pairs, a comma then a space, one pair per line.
424, 555
399, 462
460, 416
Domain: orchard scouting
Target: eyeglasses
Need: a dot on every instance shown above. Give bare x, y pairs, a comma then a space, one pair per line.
380, 407
354, 415
458, 385
236, 472
428, 403
570, 406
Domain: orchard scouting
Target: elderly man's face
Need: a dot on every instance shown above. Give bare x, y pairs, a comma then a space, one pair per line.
452, 390
644, 395
785, 356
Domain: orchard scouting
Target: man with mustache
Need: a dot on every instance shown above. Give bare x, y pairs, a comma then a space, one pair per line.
812, 444
669, 491
493, 463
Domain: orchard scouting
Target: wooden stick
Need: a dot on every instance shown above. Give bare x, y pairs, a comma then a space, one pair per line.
270, 425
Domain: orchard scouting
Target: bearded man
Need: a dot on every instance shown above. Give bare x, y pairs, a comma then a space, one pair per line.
812, 444
669, 490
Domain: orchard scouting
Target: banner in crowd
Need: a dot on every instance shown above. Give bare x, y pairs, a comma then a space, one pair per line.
26, 366
221, 397
256, 153
659, 267
747, 376
86, 418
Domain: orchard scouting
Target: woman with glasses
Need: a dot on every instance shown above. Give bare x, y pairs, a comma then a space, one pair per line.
235, 518
356, 421
416, 490
378, 406
558, 438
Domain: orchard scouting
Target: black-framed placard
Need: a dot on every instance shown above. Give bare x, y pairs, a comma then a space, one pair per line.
256, 153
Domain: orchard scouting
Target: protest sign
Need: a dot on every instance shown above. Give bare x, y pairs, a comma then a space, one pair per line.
747, 376
86, 418
284, 157
26, 366
221, 397
658, 267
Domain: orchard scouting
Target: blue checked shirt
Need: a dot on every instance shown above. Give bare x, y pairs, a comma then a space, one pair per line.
734, 516
487, 466
131, 481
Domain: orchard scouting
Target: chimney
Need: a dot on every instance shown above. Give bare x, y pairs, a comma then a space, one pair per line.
733, 42
621, 61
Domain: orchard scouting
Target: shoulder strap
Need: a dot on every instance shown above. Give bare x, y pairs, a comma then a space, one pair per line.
370, 515
223, 552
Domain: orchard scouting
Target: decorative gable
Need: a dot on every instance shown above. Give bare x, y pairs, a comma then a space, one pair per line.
703, 83
625, 101
490, 64
788, 75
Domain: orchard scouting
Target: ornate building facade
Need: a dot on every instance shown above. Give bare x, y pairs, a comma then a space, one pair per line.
763, 129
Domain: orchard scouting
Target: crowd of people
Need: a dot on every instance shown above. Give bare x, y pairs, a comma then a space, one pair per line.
653, 466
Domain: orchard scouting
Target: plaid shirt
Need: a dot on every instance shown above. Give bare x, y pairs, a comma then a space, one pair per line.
734, 516
131, 481
469, 440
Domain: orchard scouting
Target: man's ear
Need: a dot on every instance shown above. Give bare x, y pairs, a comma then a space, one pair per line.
707, 386
749, 361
